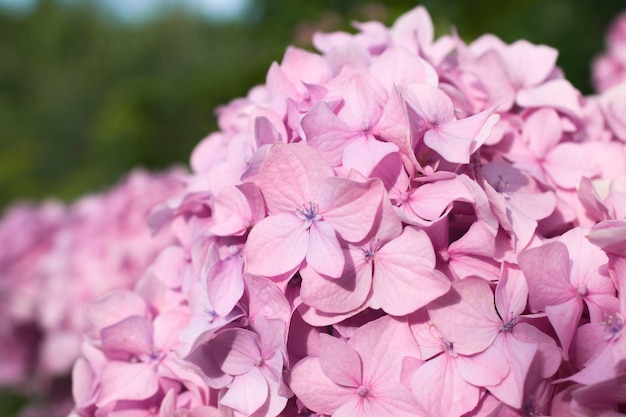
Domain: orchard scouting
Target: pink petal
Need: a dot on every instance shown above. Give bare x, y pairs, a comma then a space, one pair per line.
529, 64
466, 316
247, 393
340, 362
236, 351
457, 139
166, 326
316, 391
568, 162
350, 206
546, 269
382, 345
487, 368
511, 293
324, 254
365, 153
283, 234
326, 132
127, 381
511, 389
132, 335
565, 318
558, 93
404, 275
338, 295
439, 388
548, 357
292, 175
225, 284
542, 131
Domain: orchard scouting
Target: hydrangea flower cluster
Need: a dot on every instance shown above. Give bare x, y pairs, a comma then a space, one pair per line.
56, 259
396, 226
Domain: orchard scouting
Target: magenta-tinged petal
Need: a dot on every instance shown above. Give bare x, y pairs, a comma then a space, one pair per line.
236, 209
340, 362
548, 355
568, 162
284, 235
224, 284
166, 327
430, 104
557, 93
350, 206
546, 269
609, 235
382, 345
266, 299
521, 355
456, 140
565, 318
511, 293
324, 254
316, 391
404, 275
247, 393
292, 175
114, 307
529, 64
466, 316
132, 335
542, 131
337, 295
489, 367
365, 153
127, 381
83, 383
327, 133
236, 351
439, 388
397, 66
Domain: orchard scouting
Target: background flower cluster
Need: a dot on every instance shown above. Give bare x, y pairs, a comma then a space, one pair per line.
397, 225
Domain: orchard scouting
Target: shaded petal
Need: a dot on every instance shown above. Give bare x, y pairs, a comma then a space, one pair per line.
247, 393
350, 206
404, 275
316, 391
565, 318
340, 362
466, 315
275, 245
546, 269
324, 254
292, 176
127, 381
439, 388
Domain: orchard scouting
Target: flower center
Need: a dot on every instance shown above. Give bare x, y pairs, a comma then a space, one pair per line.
613, 325
308, 213
501, 185
508, 327
529, 407
582, 290
362, 391
370, 250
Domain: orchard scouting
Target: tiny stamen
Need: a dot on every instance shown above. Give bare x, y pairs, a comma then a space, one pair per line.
370, 250
501, 185
309, 213
613, 325
508, 327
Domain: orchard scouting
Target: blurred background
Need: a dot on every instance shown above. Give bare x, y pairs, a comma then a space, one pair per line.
91, 88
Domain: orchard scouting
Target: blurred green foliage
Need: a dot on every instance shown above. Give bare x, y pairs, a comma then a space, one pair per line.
84, 98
